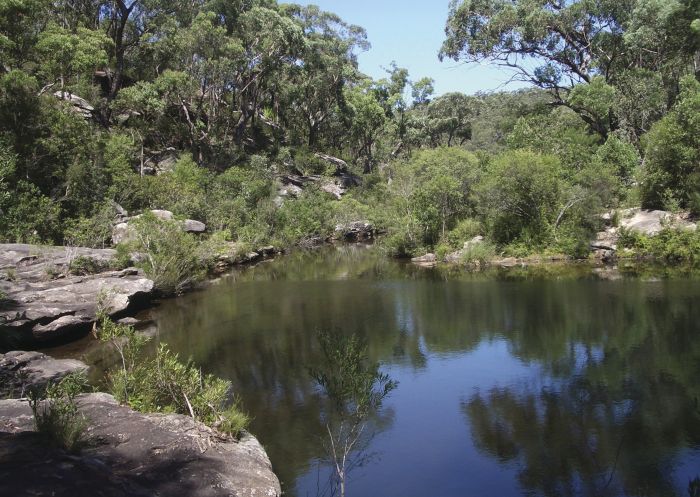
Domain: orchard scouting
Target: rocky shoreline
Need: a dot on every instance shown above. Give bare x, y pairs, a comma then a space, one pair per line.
604, 248
126, 452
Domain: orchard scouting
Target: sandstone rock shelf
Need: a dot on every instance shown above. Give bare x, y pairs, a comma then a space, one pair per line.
45, 303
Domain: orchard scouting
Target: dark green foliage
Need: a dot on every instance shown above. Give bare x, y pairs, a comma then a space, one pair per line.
200, 109
670, 245
84, 265
306, 220
672, 167
520, 197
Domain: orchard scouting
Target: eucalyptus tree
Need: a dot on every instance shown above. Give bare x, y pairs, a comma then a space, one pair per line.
367, 117
327, 63
562, 44
422, 90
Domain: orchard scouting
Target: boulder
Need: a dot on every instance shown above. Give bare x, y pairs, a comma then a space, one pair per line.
477, 240
427, 260
20, 371
291, 185
161, 161
123, 233
340, 165
651, 222
160, 214
459, 255
606, 240
192, 226
267, 251
333, 188
129, 453
120, 213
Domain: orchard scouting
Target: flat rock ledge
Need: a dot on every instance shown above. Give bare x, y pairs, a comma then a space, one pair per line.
131, 454
20, 371
45, 303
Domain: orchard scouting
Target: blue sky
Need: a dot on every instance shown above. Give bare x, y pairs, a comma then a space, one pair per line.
411, 33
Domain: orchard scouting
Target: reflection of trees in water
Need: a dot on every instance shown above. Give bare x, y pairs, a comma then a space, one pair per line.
616, 419
610, 347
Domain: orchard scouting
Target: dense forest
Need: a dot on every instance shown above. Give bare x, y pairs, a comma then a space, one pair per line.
206, 107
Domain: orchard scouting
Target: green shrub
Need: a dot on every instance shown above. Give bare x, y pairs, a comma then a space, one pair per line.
52, 272
165, 384
575, 243
482, 253
441, 251
173, 259
520, 196
30, 218
465, 230
93, 232
56, 415
669, 245
400, 243
85, 265
307, 219
672, 149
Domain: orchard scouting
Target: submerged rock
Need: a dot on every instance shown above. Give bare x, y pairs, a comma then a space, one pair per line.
129, 453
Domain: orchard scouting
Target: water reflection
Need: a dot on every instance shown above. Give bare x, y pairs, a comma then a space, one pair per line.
568, 384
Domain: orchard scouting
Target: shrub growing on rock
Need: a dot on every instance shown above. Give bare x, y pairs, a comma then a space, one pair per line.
56, 415
170, 257
164, 383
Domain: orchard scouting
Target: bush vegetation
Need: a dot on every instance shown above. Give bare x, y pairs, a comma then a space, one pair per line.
671, 245
533, 168
161, 382
56, 415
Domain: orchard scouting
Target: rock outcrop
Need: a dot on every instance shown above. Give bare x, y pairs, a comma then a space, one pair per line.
77, 104
357, 231
129, 453
45, 302
291, 185
235, 253
636, 220
649, 222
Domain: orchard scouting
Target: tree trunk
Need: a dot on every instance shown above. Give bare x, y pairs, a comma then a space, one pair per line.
121, 20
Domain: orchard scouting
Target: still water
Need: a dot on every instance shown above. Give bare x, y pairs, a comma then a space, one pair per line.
542, 382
